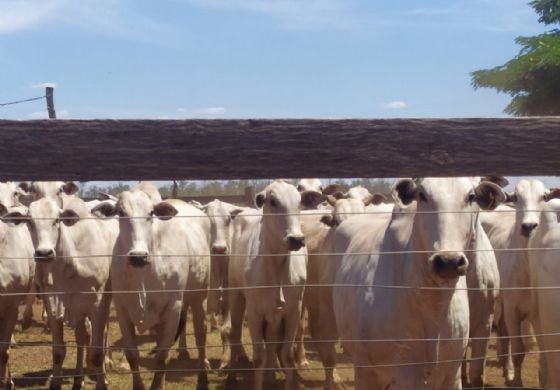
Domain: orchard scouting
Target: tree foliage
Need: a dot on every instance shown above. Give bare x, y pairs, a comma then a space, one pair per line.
532, 78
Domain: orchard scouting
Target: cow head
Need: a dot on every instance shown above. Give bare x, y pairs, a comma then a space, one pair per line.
280, 202
221, 215
44, 217
137, 213
313, 194
445, 218
530, 198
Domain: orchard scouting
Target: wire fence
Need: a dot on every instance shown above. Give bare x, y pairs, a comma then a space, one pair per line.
223, 289
22, 101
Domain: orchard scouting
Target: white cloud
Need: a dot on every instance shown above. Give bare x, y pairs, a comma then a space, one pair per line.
62, 114
395, 105
209, 111
44, 85
103, 17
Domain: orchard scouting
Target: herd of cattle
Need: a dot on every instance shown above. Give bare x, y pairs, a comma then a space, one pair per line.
403, 285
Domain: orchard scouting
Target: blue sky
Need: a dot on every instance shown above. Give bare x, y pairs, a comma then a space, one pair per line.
256, 58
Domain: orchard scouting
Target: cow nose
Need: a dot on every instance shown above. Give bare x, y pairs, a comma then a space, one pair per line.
44, 255
219, 249
450, 265
527, 228
138, 258
296, 242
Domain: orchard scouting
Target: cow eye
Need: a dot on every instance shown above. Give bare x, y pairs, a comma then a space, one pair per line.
471, 197
422, 197
120, 213
56, 221
273, 203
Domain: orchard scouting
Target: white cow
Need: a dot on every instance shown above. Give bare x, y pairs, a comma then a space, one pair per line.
268, 250
483, 282
154, 252
424, 246
221, 215
65, 234
544, 270
17, 269
509, 229
319, 231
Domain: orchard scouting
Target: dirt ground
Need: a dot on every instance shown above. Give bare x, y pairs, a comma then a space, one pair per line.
31, 362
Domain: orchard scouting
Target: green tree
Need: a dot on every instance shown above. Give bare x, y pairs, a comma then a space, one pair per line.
532, 78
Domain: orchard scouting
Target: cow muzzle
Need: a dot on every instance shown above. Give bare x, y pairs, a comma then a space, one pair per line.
528, 228
138, 258
450, 265
219, 249
295, 243
44, 255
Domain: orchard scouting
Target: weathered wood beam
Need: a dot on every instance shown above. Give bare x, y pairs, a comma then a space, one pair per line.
291, 148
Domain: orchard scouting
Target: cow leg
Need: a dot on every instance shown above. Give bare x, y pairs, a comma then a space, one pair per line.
213, 302
98, 342
8, 322
291, 325
225, 334
257, 329
479, 345
183, 351
301, 359
28, 312
166, 332
128, 333
513, 323
504, 347
58, 352
236, 316
200, 336
82, 341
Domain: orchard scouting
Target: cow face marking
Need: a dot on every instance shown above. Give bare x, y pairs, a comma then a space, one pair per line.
281, 202
69, 217
311, 199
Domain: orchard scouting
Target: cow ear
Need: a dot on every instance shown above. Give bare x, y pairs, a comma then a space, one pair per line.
554, 193
404, 191
499, 180
69, 217
511, 197
69, 188
331, 199
375, 199
3, 209
233, 213
165, 211
331, 189
311, 199
15, 218
489, 195
24, 186
104, 209
259, 199
328, 220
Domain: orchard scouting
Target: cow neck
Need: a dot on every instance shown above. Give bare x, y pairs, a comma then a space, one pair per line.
420, 275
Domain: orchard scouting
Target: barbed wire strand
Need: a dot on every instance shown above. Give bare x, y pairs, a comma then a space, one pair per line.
292, 254
304, 213
72, 344
22, 101
339, 367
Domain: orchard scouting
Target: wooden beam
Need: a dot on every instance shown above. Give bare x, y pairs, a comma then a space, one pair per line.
49, 93
240, 149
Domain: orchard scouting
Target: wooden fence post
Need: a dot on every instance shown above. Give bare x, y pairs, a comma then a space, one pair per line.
250, 194
49, 93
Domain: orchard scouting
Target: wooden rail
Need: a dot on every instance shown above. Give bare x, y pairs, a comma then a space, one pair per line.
240, 149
